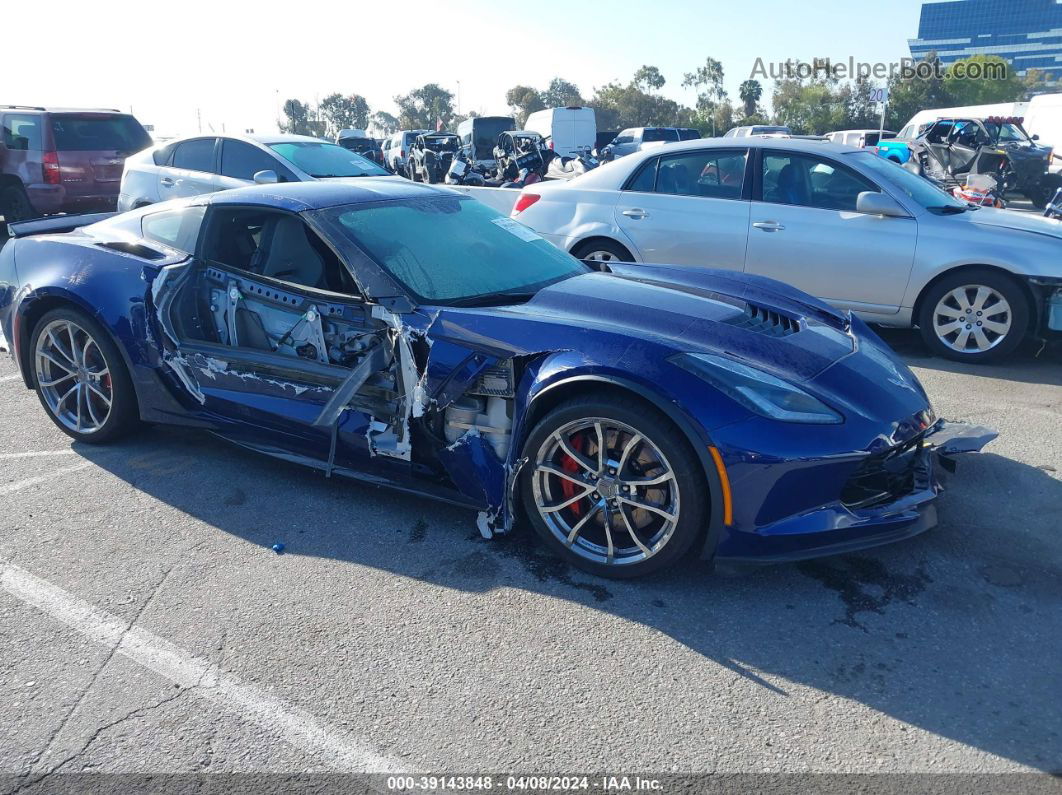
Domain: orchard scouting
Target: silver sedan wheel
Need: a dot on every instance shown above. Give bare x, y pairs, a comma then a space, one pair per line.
972, 318
606, 492
601, 256
73, 376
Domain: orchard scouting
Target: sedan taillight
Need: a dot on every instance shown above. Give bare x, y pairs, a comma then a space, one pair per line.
524, 201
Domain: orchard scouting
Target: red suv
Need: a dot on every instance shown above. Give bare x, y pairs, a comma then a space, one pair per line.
56, 160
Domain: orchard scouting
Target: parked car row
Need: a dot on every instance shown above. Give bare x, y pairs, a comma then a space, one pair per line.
845, 225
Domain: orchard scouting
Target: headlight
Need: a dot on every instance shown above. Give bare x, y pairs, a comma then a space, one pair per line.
758, 391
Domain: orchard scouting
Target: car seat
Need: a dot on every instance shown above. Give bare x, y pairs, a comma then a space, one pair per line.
285, 253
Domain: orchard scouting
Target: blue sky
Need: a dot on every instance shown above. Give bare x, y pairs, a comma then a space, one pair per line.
232, 61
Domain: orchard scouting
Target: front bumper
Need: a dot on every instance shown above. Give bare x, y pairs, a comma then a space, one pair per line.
889, 497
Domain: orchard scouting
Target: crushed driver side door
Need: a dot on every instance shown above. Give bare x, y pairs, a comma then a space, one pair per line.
270, 338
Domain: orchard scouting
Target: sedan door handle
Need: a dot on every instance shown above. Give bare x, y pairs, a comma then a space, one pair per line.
167, 182
636, 213
768, 226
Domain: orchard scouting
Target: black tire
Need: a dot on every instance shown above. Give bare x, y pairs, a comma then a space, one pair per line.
610, 247
15, 204
1044, 191
692, 490
124, 413
1002, 284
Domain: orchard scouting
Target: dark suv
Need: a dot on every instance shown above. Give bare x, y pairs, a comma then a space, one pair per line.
56, 160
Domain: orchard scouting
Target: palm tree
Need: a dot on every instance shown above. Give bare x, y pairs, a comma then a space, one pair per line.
750, 92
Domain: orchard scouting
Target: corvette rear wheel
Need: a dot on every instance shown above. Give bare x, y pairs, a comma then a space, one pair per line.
974, 316
613, 487
81, 379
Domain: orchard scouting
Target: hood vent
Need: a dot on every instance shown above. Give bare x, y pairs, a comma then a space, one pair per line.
765, 321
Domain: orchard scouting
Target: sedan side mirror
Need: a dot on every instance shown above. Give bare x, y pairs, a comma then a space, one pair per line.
267, 177
876, 203
1036, 137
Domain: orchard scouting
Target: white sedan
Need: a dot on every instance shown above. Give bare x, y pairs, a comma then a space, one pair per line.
842, 224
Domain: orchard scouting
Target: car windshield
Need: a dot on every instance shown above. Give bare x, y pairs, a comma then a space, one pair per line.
454, 250
652, 134
74, 133
913, 186
324, 160
1005, 132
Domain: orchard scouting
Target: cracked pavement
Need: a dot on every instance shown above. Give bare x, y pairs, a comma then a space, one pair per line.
389, 625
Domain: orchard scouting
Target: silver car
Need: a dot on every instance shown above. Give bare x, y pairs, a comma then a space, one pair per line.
207, 163
842, 224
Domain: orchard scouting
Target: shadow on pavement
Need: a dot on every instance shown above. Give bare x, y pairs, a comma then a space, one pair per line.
1033, 362
957, 632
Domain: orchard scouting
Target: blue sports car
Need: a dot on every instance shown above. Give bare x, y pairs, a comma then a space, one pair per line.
409, 336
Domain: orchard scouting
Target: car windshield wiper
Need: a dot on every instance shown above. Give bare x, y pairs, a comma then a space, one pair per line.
493, 299
947, 209
339, 176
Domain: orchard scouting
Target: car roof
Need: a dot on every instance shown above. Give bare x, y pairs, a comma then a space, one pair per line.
796, 144
49, 109
317, 195
263, 139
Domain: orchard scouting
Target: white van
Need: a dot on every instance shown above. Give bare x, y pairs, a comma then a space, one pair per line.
1043, 117
566, 130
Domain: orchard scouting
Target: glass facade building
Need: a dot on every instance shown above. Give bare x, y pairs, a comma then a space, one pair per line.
1027, 33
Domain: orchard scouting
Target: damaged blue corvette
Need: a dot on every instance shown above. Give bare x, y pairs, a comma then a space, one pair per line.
408, 336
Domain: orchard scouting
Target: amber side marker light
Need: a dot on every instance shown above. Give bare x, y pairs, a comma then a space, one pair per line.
724, 482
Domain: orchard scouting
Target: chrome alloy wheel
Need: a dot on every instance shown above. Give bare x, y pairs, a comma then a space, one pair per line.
972, 318
600, 256
73, 376
606, 491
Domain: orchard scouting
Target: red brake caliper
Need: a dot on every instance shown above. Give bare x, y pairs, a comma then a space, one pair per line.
569, 464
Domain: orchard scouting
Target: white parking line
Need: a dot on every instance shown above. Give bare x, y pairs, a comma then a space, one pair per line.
25, 483
203, 678
37, 454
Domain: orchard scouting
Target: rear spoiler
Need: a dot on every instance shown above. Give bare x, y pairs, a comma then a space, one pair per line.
55, 224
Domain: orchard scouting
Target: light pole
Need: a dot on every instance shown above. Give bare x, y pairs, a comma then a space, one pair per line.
458, 97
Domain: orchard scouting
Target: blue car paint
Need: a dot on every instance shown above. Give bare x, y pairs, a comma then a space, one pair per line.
894, 149
618, 329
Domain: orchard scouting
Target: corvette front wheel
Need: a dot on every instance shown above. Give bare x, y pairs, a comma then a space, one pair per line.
613, 487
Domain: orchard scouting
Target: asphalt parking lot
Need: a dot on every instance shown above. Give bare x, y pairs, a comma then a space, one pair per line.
148, 626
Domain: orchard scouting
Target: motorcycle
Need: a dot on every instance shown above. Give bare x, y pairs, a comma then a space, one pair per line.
520, 150
1054, 206
571, 167
463, 172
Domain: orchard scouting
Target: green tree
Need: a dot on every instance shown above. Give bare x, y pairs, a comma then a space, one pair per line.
722, 118
708, 82
523, 101
344, 112
908, 95
649, 79
425, 107
809, 106
617, 106
297, 118
384, 122
560, 93
750, 92
983, 90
